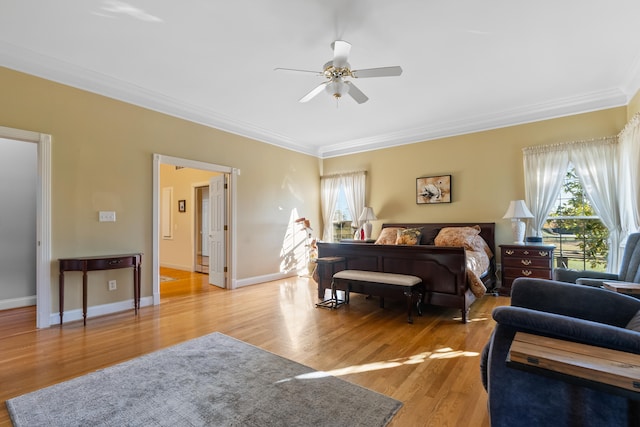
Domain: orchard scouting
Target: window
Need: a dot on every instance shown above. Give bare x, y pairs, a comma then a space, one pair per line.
342, 218
581, 239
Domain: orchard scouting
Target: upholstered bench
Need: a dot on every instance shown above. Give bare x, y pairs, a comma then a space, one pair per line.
380, 284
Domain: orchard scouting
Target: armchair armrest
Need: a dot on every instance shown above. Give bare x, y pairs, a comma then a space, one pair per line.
595, 283
570, 276
595, 304
568, 328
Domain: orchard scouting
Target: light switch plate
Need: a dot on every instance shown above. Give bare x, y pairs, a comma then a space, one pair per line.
107, 216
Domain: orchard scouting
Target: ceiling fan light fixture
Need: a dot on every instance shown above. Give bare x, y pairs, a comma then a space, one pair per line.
337, 88
337, 73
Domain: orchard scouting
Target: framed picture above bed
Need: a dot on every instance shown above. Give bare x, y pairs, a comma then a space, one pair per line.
433, 189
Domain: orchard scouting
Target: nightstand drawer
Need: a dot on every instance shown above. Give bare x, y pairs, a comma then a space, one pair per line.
538, 273
527, 253
527, 262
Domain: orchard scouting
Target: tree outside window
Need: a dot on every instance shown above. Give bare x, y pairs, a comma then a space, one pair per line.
581, 240
342, 219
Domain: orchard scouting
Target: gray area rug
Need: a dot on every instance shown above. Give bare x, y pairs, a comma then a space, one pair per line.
213, 380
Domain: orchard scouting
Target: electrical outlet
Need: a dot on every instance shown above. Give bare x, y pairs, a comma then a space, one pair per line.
112, 285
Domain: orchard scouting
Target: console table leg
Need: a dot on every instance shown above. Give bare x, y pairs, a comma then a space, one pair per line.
84, 297
61, 295
136, 289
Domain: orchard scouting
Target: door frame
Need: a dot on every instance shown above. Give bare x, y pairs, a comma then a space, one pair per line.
43, 220
194, 191
159, 159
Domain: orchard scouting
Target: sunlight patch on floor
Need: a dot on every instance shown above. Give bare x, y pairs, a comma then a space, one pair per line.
443, 353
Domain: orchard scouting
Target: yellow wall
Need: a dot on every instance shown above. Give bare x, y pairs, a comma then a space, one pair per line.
102, 154
486, 169
102, 158
634, 106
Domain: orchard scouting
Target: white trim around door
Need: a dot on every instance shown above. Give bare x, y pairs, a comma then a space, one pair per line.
159, 159
43, 220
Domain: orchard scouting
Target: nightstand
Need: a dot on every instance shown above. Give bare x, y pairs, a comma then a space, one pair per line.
525, 261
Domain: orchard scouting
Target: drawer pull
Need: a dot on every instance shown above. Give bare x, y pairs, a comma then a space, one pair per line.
509, 252
543, 253
525, 261
526, 272
526, 252
115, 261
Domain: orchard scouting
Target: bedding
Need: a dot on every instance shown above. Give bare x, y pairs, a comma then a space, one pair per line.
478, 254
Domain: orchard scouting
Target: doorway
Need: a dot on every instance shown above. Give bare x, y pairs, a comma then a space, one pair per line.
43, 220
201, 229
229, 236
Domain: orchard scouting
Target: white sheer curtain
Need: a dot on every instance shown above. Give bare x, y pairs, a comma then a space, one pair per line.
354, 188
329, 190
629, 178
353, 184
544, 171
596, 164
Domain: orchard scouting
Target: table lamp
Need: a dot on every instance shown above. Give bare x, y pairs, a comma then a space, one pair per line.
367, 215
516, 211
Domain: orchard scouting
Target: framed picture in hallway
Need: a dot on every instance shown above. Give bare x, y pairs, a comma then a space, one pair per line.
182, 205
433, 189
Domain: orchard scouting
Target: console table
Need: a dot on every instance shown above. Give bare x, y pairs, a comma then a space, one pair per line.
94, 263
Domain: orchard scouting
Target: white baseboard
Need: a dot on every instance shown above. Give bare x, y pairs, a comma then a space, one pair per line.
177, 266
6, 304
262, 279
98, 310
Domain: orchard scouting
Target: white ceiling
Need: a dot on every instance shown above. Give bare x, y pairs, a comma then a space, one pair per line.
468, 65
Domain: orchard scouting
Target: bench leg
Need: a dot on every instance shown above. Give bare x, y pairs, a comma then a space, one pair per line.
409, 295
465, 315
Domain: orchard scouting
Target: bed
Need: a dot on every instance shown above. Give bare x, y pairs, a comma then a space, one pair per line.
452, 269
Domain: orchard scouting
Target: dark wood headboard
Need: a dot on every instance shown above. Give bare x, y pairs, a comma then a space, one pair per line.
430, 230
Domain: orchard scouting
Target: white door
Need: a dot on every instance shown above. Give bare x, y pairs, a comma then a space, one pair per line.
217, 230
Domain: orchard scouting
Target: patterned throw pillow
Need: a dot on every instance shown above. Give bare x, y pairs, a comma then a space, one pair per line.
388, 236
409, 236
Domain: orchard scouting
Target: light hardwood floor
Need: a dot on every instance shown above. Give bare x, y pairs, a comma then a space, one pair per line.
431, 366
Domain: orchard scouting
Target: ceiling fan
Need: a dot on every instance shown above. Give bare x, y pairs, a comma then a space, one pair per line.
338, 71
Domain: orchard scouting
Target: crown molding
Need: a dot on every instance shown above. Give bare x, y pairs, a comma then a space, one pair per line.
561, 107
65, 73
53, 69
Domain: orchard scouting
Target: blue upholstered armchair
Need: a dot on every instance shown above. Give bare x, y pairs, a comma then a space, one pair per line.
565, 311
629, 269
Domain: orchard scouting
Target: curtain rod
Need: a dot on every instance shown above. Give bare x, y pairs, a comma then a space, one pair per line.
563, 145
332, 175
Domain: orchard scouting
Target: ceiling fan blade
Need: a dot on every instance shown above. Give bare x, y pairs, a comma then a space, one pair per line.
341, 51
377, 72
317, 73
314, 92
356, 93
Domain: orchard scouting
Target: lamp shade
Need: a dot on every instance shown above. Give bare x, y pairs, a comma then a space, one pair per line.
517, 209
337, 88
367, 214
